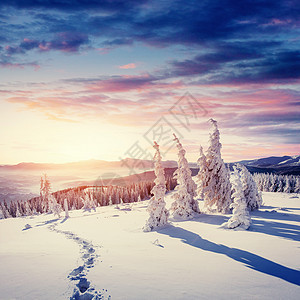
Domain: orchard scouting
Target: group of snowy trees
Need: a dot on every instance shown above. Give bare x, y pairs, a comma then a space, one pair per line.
185, 205
79, 198
220, 191
277, 183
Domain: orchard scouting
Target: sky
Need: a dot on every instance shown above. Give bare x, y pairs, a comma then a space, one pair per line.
102, 79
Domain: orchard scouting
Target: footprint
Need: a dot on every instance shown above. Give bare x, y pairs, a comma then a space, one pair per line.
76, 271
83, 285
90, 261
86, 296
91, 250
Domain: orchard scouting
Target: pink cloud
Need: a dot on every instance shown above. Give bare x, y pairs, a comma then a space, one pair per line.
263, 115
128, 66
128, 83
275, 21
19, 65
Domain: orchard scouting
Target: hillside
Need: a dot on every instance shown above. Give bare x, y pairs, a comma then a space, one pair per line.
105, 253
22, 181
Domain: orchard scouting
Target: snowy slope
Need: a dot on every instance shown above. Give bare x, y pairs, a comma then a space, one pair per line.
193, 259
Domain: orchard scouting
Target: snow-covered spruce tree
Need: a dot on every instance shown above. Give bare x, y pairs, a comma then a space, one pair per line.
184, 205
5, 210
258, 180
297, 185
88, 202
267, 183
54, 207
287, 187
218, 190
241, 217
45, 192
251, 193
66, 207
201, 178
274, 183
93, 202
1, 213
157, 205
280, 184
110, 201
18, 213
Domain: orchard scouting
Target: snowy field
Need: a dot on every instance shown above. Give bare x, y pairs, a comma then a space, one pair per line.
106, 255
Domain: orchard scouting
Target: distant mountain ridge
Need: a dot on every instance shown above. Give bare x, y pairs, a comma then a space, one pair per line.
275, 164
285, 165
86, 165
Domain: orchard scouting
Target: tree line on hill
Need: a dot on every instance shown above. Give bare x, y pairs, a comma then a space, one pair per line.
87, 197
268, 182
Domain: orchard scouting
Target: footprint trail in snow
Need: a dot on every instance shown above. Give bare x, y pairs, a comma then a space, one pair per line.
83, 290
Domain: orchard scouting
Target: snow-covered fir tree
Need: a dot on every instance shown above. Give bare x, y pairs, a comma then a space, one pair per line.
184, 205
34, 211
251, 193
1, 213
54, 207
273, 183
110, 201
18, 213
87, 202
267, 183
45, 188
297, 185
217, 193
28, 210
157, 205
93, 202
201, 178
6, 211
287, 188
66, 207
280, 185
240, 217
45, 192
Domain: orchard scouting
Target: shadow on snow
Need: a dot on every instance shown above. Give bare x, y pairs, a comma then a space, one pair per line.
269, 227
249, 259
275, 215
287, 231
